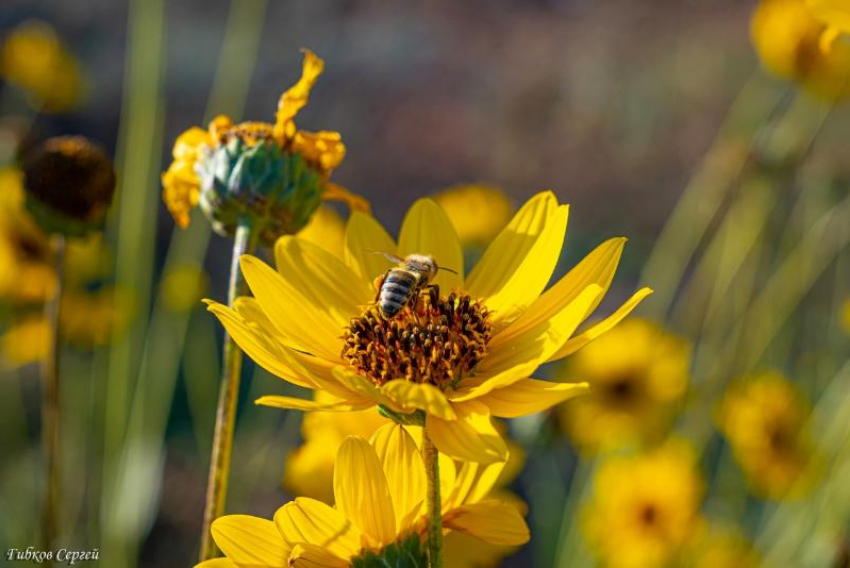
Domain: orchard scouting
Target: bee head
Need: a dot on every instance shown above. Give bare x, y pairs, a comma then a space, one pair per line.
423, 264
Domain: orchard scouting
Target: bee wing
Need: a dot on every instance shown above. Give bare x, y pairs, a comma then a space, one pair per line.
389, 256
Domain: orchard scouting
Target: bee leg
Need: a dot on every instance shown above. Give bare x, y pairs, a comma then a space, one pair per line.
378, 283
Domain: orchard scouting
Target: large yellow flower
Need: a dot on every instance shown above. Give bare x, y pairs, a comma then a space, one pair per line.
645, 508
378, 509
462, 352
33, 58
835, 14
638, 374
764, 418
322, 151
787, 39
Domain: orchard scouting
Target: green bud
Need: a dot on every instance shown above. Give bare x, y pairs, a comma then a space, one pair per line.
275, 191
407, 553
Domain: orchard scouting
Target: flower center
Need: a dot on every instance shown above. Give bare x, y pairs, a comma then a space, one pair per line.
431, 340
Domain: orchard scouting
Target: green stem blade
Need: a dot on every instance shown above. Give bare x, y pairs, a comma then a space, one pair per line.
435, 515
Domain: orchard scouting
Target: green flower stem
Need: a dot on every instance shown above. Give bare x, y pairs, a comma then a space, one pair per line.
245, 240
435, 514
50, 408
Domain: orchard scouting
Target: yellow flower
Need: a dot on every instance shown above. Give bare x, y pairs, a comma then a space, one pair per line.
721, 546
32, 58
645, 507
787, 38
27, 341
321, 151
638, 374
835, 14
763, 418
309, 473
183, 286
89, 319
456, 357
845, 319
477, 212
26, 270
378, 490
309, 468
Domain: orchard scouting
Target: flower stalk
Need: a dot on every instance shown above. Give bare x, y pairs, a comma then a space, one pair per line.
245, 241
435, 515
50, 407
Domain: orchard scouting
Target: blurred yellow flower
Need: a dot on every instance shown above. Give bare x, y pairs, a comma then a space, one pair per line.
183, 286
32, 58
459, 358
378, 491
26, 270
326, 229
638, 374
715, 546
845, 316
763, 418
477, 212
787, 38
89, 319
223, 143
835, 14
645, 507
26, 342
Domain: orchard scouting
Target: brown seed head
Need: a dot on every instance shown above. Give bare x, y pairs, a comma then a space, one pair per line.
433, 340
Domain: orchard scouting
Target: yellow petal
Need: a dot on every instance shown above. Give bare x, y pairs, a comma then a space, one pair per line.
471, 437
532, 273
294, 99
309, 521
259, 346
330, 285
365, 238
216, 563
404, 469
324, 149
293, 312
507, 251
326, 229
427, 230
541, 341
311, 556
491, 521
528, 396
307, 405
365, 388
419, 396
250, 541
598, 267
594, 331
362, 493
474, 482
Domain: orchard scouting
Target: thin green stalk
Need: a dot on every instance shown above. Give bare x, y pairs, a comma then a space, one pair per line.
435, 514
244, 242
50, 408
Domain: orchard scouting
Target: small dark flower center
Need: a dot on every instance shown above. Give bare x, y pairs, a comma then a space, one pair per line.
431, 340
649, 514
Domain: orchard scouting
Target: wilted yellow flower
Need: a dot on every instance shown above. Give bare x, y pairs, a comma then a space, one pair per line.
835, 14
763, 417
787, 39
33, 58
644, 507
477, 212
274, 172
638, 374
462, 352
378, 510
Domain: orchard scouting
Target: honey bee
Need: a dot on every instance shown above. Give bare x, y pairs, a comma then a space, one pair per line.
402, 283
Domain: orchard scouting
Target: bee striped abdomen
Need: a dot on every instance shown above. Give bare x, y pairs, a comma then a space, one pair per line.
397, 289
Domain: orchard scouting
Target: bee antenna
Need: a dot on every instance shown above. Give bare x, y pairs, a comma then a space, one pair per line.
447, 269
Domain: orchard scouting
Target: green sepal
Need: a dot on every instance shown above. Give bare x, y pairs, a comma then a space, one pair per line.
407, 553
415, 418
